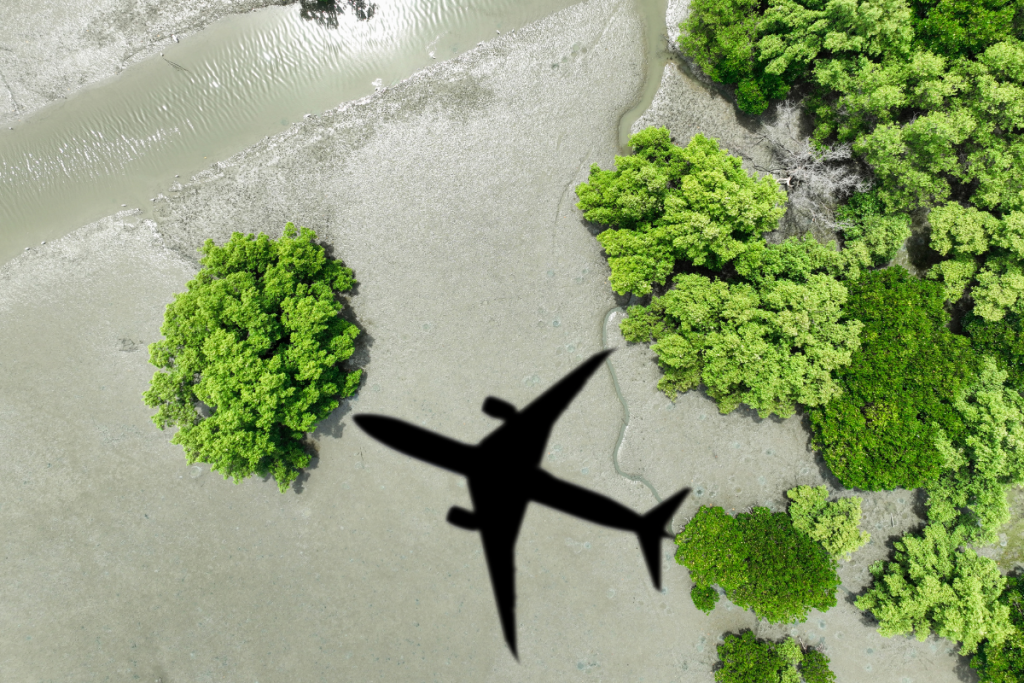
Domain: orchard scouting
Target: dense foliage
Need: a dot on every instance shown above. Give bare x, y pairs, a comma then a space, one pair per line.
761, 561
765, 47
1002, 340
666, 204
1004, 663
899, 389
928, 92
259, 340
836, 525
748, 660
985, 250
934, 586
769, 344
754, 324
971, 494
868, 228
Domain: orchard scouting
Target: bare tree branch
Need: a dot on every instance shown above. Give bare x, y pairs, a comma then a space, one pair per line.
816, 182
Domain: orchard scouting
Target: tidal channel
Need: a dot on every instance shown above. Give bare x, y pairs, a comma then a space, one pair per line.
114, 146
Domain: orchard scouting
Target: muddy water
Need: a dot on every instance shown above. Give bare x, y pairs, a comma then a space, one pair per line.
657, 56
115, 146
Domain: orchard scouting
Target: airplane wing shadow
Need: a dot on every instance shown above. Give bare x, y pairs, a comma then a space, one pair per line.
504, 475
417, 442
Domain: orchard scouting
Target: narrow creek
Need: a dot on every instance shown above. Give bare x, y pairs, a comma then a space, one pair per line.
116, 145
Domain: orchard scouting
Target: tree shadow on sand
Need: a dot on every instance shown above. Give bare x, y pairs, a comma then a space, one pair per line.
325, 12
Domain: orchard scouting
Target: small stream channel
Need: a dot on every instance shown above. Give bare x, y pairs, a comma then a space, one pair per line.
116, 145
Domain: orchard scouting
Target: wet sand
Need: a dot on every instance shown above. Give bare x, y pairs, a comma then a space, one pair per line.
451, 197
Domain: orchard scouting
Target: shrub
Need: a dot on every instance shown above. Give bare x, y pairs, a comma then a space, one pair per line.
898, 391
971, 494
947, 27
768, 47
865, 224
1003, 340
928, 94
258, 339
932, 586
748, 660
1004, 663
834, 525
761, 561
667, 204
771, 343
720, 37
965, 234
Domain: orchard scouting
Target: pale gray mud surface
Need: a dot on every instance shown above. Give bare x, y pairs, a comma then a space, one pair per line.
49, 49
451, 196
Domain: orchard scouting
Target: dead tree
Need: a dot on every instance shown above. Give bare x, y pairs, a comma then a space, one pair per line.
816, 182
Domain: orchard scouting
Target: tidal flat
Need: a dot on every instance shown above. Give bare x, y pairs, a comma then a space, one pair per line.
451, 196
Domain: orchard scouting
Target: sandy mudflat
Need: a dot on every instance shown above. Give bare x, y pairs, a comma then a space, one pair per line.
49, 49
451, 196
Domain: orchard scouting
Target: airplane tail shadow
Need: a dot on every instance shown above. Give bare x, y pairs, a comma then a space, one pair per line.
653, 530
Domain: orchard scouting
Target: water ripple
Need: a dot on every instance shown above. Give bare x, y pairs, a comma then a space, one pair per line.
214, 94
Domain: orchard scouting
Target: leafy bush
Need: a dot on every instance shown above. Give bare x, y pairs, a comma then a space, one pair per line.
704, 597
748, 660
834, 525
971, 493
928, 93
258, 339
768, 47
1004, 663
932, 127
898, 391
761, 561
715, 555
1003, 340
771, 343
815, 669
948, 27
932, 586
721, 37
967, 234
668, 203
865, 224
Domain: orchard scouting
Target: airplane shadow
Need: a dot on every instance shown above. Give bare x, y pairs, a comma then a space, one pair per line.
505, 476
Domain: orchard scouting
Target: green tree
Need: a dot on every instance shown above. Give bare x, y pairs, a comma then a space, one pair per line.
932, 586
666, 204
836, 526
865, 225
748, 660
949, 27
259, 340
714, 554
767, 47
720, 37
1004, 662
1003, 340
761, 561
984, 247
899, 388
771, 343
971, 494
